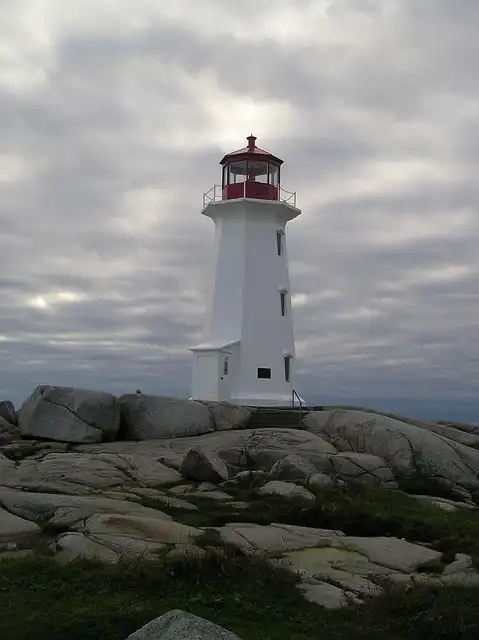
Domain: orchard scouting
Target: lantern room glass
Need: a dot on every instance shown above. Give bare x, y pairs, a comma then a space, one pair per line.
257, 171
236, 172
273, 175
261, 171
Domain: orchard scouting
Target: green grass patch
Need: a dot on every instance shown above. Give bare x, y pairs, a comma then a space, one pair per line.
42, 600
357, 509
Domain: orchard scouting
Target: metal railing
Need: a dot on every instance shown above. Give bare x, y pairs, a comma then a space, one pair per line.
294, 395
215, 194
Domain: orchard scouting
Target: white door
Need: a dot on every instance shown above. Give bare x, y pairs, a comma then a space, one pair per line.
207, 377
225, 377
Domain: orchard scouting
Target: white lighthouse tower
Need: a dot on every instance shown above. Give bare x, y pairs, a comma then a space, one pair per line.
247, 352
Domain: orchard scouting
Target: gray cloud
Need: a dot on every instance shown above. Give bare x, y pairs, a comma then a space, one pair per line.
112, 122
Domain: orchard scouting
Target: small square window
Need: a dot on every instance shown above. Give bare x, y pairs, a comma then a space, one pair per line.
264, 373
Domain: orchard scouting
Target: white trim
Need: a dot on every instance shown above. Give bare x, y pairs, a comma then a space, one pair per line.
210, 346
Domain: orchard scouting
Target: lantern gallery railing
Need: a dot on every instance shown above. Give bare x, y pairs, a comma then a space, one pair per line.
215, 194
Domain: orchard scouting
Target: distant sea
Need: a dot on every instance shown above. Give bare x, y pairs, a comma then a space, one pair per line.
454, 409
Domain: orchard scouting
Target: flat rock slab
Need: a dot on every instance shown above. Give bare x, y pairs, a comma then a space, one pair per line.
154, 449
220, 496
139, 527
179, 625
82, 473
121, 495
177, 503
13, 528
128, 547
76, 545
312, 564
287, 490
358, 565
145, 469
85, 470
325, 594
444, 503
275, 538
105, 548
41, 507
393, 553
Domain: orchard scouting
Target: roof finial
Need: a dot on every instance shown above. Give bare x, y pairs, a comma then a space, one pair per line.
251, 142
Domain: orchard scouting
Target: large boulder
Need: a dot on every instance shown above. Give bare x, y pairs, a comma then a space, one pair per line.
203, 466
179, 625
68, 414
292, 467
405, 448
64, 511
7, 412
8, 432
228, 416
154, 417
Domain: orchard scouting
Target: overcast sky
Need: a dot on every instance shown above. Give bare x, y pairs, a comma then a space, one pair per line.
114, 115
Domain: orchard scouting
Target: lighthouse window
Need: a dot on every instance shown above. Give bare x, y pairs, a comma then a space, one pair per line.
283, 303
279, 242
287, 368
236, 172
257, 171
225, 367
273, 178
264, 373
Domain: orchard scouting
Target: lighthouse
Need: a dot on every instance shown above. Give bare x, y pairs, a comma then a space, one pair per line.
247, 355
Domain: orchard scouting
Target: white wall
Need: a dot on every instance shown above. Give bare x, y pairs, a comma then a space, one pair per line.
224, 306
245, 301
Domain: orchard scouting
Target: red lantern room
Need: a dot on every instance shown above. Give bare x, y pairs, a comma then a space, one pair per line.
251, 173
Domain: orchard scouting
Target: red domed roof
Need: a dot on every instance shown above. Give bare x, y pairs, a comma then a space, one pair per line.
251, 151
